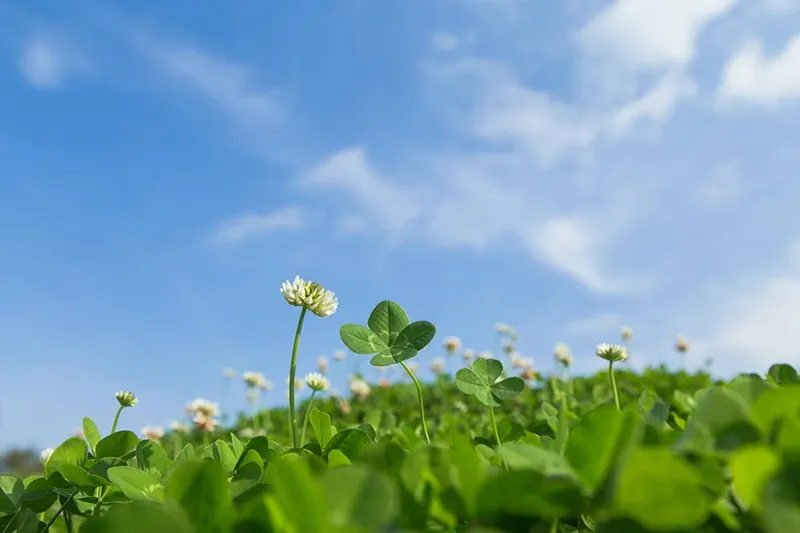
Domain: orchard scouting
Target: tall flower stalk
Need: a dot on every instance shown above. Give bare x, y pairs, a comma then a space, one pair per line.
125, 399
420, 400
310, 296
317, 383
613, 353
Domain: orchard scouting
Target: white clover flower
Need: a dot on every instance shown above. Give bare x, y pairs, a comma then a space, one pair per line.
253, 379
627, 334
452, 344
46, 453
317, 382
179, 427
229, 373
562, 355
203, 407
204, 422
505, 329
613, 353
437, 365
524, 362
298, 383
310, 295
468, 355
247, 433
360, 388
338, 355
682, 345
126, 398
485, 355
153, 433
412, 367
322, 364
509, 348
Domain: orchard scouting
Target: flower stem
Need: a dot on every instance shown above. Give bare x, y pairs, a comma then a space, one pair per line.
554, 526
613, 383
61, 510
494, 426
116, 418
292, 372
305, 420
419, 397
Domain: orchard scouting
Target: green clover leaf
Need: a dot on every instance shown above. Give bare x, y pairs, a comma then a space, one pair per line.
482, 382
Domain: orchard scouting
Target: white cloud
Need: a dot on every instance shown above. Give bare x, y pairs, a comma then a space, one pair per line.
781, 6
609, 324
230, 85
46, 62
251, 225
751, 76
445, 41
724, 185
649, 34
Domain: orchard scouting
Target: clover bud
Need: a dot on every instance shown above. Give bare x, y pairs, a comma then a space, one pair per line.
682, 345
126, 398
317, 382
452, 344
45, 455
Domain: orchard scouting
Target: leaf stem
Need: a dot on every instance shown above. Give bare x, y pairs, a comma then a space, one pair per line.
554, 526
116, 418
419, 397
494, 426
613, 383
60, 510
305, 419
292, 373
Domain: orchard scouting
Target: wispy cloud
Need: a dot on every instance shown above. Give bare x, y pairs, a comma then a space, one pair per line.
251, 225
47, 62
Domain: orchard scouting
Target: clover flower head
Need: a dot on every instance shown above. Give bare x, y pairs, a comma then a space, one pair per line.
627, 334
682, 345
253, 379
322, 364
505, 329
437, 365
298, 383
562, 355
126, 398
384, 383
360, 388
509, 347
203, 407
317, 382
412, 367
485, 355
613, 353
46, 453
310, 295
452, 344
338, 355
468, 355
525, 362
265, 385
247, 433
344, 406
204, 422
529, 374
178, 427
229, 373
153, 433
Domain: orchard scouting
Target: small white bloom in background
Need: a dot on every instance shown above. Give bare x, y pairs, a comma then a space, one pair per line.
317, 382
153, 433
436, 365
256, 380
344, 406
79, 433
203, 407
229, 373
682, 345
525, 362
485, 355
247, 433
516, 360
452, 344
204, 423
412, 367
509, 348
179, 427
505, 329
627, 334
338, 355
46, 453
298, 383
322, 364
613, 353
360, 388
126, 398
310, 295
562, 355
384, 383
468, 355
529, 374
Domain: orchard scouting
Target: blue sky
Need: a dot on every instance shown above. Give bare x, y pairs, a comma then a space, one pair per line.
567, 169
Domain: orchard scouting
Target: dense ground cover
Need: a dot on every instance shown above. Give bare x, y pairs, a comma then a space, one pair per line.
479, 451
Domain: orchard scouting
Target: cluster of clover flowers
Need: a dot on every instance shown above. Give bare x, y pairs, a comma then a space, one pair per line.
311, 296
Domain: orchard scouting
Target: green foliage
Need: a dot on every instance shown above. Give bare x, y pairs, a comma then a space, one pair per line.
683, 454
